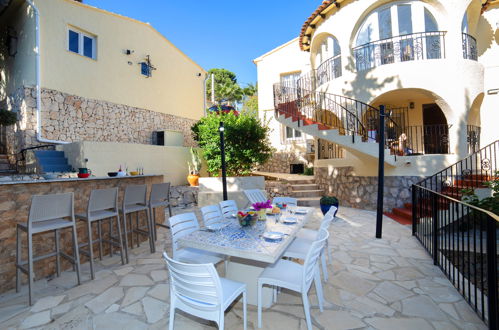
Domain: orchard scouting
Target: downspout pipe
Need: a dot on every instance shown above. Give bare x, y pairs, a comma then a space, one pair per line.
38, 79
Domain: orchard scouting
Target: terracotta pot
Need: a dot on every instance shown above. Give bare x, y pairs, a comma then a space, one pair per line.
193, 179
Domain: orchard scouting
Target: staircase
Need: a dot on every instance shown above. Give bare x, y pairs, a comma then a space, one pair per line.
335, 118
51, 161
306, 192
471, 172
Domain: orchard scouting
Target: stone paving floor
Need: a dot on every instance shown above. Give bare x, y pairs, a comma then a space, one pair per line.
389, 283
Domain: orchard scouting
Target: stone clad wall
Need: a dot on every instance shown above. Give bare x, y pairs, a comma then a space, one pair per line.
14, 207
361, 191
73, 118
280, 162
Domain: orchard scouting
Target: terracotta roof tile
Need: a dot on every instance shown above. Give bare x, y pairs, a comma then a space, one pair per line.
305, 26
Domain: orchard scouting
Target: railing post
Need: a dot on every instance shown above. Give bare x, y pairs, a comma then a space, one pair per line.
434, 206
492, 272
414, 209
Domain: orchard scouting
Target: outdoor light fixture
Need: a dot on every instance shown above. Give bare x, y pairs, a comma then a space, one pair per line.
493, 91
221, 129
411, 105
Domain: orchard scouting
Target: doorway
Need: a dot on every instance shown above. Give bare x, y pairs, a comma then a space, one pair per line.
435, 130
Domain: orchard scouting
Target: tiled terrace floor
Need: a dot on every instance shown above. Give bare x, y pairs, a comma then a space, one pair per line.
374, 284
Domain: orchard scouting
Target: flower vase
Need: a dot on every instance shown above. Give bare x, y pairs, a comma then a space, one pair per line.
262, 214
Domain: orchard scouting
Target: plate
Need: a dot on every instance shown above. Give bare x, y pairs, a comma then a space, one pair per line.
273, 235
301, 211
289, 221
216, 226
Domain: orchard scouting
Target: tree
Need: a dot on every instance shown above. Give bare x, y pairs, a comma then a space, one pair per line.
250, 100
226, 88
246, 142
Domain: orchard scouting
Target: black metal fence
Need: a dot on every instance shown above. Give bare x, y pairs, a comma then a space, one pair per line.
462, 240
469, 47
473, 138
471, 171
409, 47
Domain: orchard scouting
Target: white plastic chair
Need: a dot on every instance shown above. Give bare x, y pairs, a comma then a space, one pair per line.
198, 290
182, 225
285, 200
228, 208
311, 234
299, 247
211, 214
255, 195
293, 276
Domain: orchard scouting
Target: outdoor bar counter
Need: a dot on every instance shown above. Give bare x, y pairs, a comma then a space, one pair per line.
15, 200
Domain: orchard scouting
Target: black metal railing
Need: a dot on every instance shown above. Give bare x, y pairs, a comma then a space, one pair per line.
462, 239
424, 139
473, 138
329, 150
351, 117
468, 172
409, 47
328, 70
3, 139
21, 156
469, 47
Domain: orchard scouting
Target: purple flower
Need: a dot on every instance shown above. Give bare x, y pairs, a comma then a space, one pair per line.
262, 205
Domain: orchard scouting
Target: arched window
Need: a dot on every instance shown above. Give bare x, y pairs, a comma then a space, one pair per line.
328, 60
398, 32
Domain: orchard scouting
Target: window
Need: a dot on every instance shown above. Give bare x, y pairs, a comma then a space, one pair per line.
290, 79
292, 133
82, 43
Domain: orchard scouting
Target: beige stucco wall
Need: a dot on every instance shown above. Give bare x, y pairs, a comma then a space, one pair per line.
174, 88
19, 70
284, 59
104, 157
488, 50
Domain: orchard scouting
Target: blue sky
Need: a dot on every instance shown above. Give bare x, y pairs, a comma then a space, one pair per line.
220, 33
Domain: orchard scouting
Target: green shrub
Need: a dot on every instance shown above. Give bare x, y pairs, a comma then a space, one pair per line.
308, 171
246, 142
329, 200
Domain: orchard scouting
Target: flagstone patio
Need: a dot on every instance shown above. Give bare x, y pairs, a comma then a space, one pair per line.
390, 283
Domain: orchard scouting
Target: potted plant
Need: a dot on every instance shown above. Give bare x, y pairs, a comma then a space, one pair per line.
194, 168
326, 202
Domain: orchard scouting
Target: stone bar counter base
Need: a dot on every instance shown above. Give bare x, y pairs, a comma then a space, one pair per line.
15, 201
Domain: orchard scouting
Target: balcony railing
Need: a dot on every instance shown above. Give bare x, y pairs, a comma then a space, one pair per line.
328, 70
329, 150
473, 138
409, 47
469, 47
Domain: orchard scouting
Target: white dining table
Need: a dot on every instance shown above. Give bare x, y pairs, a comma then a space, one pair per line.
250, 252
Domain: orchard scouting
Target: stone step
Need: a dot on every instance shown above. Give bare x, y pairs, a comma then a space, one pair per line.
4, 166
301, 181
301, 187
308, 201
2, 157
308, 193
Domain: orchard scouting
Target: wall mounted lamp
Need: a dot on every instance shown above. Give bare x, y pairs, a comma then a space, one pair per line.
411, 105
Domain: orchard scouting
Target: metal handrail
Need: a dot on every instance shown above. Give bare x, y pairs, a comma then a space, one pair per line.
21, 155
469, 47
490, 214
402, 48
